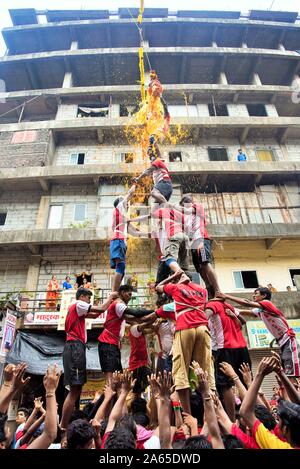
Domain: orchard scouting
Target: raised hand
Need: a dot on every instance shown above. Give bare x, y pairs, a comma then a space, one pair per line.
266, 366
8, 373
127, 383
38, 404
245, 371
108, 391
51, 378
154, 382
19, 382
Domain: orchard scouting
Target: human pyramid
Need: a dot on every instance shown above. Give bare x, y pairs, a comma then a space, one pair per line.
203, 355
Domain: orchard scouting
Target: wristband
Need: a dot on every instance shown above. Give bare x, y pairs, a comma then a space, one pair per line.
207, 398
235, 378
7, 385
176, 404
50, 394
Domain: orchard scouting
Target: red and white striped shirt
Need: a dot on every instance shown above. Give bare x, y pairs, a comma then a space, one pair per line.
172, 221
277, 325
225, 331
161, 172
119, 224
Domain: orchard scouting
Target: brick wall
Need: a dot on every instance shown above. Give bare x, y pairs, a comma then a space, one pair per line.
25, 153
13, 269
21, 207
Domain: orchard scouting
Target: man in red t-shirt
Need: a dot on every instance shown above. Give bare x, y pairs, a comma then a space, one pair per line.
228, 345
114, 327
192, 338
200, 242
163, 188
138, 358
74, 359
276, 323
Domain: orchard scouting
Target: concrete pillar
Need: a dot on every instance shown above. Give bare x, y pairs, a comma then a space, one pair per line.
214, 44
281, 47
68, 80
244, 45
74, 45
42, 216
33, 273
256, 80
223, 79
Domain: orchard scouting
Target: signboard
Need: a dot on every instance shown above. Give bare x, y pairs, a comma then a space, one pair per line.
67, 298
8, 333
93, 384
46, 318
260, 337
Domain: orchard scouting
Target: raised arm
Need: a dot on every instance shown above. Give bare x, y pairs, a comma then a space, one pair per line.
159, 288
145, 173
116, 413
51, 380
95, 311
210, 415
239, 301
163, 389
14, 382
109, 393
248, 405
290, 389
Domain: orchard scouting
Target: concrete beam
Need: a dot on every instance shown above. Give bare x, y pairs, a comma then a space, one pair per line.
235, 98
44, 184
34, 249
273, 98
282, 135
32, 76
87, 235
108, 35
100, 135
182, 69
244, 135
271, 243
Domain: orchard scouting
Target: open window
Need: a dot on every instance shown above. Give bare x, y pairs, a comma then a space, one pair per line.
175, 156
55, 216
294, 272
3, 216
265, 155
217, 154
77, 158
245, 279
217, 109
127, 157
257, 110
92, 111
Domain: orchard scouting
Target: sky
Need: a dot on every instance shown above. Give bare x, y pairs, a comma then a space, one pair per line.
173, 5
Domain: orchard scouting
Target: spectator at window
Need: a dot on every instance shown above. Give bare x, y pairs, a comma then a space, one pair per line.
52, 294
271, 288
288, 288
241, 156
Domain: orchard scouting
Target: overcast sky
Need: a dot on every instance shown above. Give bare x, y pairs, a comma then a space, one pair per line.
238, 5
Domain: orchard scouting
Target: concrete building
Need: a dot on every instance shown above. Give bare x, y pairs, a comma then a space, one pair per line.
231, 80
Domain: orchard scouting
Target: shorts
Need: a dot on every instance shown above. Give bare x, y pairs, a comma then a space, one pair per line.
235, 357
141, 375
74, 363
202, 257
163, 272
164, 364
192, 344
109, 357
290, 357
165, 188
176, 248
117, 250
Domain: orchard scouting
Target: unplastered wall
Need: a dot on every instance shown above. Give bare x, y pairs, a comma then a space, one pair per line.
263, 144
70, 259
14, 265
293, 150
69, 196
94, 153
22, 208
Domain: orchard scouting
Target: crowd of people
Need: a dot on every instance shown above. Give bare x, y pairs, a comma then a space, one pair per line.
202, 392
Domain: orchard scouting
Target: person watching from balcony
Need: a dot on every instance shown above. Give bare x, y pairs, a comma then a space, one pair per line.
67, 283
74, 356
241, 156
163, 188
52, 294
271, 288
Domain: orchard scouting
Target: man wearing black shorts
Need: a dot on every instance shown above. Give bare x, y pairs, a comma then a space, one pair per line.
163, 188
228, 345
114, 326
74, 359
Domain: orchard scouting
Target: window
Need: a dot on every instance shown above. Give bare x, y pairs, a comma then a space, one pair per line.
292, 273
217, 154
217, 109
127, 157
126, 111
55, 216
79, 212
257, 110
245, 279
265, 155
2, 218
175, 156
77, 158
92, 111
